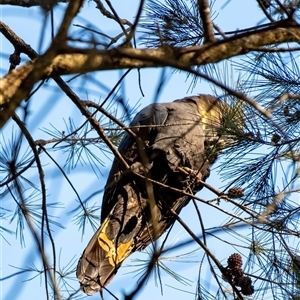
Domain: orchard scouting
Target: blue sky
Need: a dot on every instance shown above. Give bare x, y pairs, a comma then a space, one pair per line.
54, 107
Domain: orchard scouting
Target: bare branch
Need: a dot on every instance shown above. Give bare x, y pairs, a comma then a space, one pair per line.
114, 16
81, 106
26, 80
45, 219
16, 41
120, 58
206, 21
30, 3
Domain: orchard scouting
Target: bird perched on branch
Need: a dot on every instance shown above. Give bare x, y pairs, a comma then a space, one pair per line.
169, 151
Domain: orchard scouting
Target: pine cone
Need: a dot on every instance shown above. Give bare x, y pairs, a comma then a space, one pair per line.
246, 286
238, 274
235, 261
248, 290
227, 275
235, 192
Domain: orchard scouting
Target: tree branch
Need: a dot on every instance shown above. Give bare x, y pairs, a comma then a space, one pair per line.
32, 74
30, 3
82, 61
206, 21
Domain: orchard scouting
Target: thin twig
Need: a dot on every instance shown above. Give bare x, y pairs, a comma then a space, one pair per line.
205, 243
205, 248
204, 10
263, 8
44, 208
95, 124
66, 177
136, 21
114, 16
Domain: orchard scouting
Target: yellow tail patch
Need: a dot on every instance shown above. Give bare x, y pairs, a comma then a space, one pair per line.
115, 255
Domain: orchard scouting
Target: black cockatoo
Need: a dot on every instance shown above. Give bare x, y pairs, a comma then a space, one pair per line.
175, 148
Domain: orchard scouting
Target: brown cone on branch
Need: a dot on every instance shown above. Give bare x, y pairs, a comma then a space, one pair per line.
235, 275
246, 286
235, 261
235, 192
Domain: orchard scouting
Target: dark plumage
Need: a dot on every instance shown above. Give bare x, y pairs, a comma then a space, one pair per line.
174, 149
